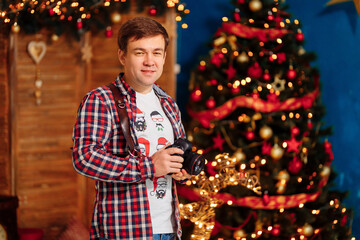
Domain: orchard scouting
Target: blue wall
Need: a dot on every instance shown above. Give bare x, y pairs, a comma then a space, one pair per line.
333, 33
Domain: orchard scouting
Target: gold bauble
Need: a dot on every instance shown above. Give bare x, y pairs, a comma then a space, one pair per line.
276, 152
255, 5
243, 58
240, 233
15, 28
54, 37
325, 172
115, 17
283, 175
307, 230
266, 132
280, 188
239, 155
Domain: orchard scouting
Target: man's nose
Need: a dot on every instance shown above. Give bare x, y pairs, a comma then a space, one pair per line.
149, 60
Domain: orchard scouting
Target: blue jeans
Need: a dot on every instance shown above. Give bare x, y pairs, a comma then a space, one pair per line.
166, 236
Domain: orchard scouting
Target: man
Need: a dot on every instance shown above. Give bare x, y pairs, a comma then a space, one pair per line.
135, 194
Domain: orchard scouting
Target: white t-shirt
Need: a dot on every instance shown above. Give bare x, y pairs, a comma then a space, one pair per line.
154, 130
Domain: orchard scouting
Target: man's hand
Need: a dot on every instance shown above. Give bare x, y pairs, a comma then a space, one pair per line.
166, 162
182, 175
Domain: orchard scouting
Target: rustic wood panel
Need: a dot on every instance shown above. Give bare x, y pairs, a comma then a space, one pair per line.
5, 171
46, 183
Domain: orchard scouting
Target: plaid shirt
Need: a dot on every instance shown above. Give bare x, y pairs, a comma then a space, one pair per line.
121, 209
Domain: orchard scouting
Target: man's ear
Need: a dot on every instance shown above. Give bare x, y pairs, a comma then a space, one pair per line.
121, 56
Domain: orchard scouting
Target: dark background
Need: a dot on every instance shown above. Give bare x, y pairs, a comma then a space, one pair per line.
333, 33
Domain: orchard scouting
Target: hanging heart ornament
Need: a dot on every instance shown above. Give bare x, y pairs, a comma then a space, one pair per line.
37, 50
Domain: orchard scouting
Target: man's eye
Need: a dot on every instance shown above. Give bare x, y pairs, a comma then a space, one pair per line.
158, 53
139, 53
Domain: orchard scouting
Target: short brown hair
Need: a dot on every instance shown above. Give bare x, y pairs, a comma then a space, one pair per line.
140, 27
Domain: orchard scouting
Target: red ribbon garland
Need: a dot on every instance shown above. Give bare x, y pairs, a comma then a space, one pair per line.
244, 31
206, 116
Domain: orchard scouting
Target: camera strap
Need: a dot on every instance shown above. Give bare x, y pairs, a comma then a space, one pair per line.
123, 117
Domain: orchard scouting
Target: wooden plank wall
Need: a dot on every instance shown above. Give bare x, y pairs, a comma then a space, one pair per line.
46, 183
5, 184
49, 190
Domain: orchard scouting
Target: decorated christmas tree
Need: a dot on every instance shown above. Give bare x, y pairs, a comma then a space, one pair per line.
256, 115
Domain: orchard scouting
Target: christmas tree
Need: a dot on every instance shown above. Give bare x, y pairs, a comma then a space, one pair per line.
256, 115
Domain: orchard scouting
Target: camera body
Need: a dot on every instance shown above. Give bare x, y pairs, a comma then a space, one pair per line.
193, 163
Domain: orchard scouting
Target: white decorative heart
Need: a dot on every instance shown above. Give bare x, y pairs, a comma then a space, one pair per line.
37, 50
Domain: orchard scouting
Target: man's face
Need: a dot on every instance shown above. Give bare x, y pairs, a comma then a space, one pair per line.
143, 62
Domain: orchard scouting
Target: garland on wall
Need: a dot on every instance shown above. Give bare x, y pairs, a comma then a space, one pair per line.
78, 16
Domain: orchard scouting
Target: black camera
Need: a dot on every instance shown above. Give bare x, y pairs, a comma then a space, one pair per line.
193, 163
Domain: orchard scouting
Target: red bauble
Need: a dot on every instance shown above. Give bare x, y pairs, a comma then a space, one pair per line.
152, 11
241, 1
255, 71
79, 24
295, 131
266, 76
271, 17
210, 103
310, 125
276, 230
291, 74
266, 197
235, 90
250, 135
237, 17
202, 67
196, 95
295, 165
213, 82
300, 37
51, 12
109, 32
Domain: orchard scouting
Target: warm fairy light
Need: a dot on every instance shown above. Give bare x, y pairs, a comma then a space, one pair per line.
279, 40
335, 221
236, 53
281, 210
259, 88
284, 145
236, 84
332, 202
224, 50
202, 63
252, 165
187, 11
290, 84
292, 238
250, 54
283, 117
291, 115
229, 202
268, 86
274, 9
296, 21
287, 20
248, 79
299, 179
263, 161
225, 19
170, 3
310, 115
261, 44
181, 7
251, 20
200, 151
316, 231
242, 166
343, 210
302, 237
274, 56
297, 115
243, 82
184, 26
282, 24
178, 18
301, 205
266, 25
220, 87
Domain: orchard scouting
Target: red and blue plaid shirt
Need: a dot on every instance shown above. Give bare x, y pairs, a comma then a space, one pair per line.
121, 209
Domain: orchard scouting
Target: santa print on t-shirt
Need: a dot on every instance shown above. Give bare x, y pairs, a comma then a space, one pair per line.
140, 123
144, 146
157, 119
